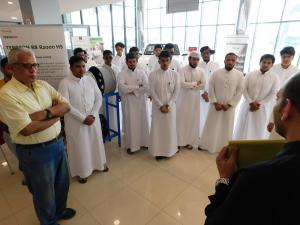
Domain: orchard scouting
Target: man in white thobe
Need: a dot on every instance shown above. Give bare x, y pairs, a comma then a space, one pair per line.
83, 53
119, 58
175, 64
260, 90
133, 84
285, 70
164, 88
188, 103
153, 60
85, 147
209, 67
225, 91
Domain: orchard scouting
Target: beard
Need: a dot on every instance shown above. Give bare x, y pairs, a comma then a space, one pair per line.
228, 68
193, 66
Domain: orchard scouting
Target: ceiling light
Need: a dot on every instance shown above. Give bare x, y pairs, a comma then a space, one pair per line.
10, 3
14, 18
4, 164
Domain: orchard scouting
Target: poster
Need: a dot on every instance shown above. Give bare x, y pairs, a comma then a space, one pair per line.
238, 44
93, 46
48, 44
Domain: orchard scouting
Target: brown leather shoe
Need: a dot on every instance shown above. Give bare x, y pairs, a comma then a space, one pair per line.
189, 147
82, 180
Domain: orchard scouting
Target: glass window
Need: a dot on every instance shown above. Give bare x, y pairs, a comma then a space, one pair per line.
253, 11
93, 31
263, 43
130, 17
270, 10
80, 32
105, 33
289, 36
130, 3
163, 4
208, 36
145, 17
153, 35
154, 4
192, 37
75, 17
118, 17
193, 18
68, 39
250, 33
89, 16
179, 19
154, 18
166, 19
179, 36
104, 15
209, 12
67, 18
221, 47
166, 35
118, 34
292, 10
227, 6
130, 34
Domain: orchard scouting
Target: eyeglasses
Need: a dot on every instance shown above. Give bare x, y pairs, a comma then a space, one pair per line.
28, 65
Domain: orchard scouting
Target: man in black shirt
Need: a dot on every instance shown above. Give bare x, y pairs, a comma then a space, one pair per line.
269, 192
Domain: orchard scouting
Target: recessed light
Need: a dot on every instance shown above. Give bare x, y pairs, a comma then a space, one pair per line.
14, 18
10, 3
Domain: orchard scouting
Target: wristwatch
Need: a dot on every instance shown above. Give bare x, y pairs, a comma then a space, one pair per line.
49, 114
222, 181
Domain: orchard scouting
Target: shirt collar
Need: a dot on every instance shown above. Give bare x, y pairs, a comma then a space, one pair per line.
76, 79
23, 88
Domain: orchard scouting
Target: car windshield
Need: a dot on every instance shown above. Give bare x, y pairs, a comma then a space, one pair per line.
149, 49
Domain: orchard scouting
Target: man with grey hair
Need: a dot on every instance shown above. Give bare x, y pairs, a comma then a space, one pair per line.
188, 103
32, 109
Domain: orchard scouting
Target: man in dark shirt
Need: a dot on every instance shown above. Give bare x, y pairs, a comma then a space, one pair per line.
269, 192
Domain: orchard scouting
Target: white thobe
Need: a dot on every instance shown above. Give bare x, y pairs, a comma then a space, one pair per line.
175, 65
119, 61
188, 106
225, 87
284, 75
153, 63
85, 147
208, 68
261, 88
135, 112
164, 88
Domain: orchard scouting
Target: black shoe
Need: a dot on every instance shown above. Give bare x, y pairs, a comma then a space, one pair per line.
200, 149
82, 180
68, 214
106, 169
158, 158
129, 152
189, 147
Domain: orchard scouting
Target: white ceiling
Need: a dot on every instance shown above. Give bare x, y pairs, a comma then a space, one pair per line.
8, 11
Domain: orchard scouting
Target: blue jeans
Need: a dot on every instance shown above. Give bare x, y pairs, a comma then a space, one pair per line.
46, 172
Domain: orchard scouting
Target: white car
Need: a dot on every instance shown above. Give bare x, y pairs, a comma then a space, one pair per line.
148, 52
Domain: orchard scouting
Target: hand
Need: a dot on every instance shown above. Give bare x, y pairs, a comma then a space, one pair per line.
141, 85
226, 107
254, 106
89, 120
205, 96
270, 127
199, 82
218, 106
150, 98
55, 102
164, 109
226, 162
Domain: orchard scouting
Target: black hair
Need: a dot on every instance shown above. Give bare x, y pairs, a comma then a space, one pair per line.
165, 54
289, 50
134, 49
291, 90
131, 55
230, 53
157, 46
75, 59
267, 56
169, 46
4, 61
119, 44
107, 52
77, 50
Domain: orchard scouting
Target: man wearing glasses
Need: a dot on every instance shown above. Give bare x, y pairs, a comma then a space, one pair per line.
32, 109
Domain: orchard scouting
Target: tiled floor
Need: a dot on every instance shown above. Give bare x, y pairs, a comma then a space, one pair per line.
136, 191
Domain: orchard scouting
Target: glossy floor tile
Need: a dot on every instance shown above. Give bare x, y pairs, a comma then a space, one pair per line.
137, 190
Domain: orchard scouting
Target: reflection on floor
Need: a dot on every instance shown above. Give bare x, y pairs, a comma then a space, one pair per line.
136, 191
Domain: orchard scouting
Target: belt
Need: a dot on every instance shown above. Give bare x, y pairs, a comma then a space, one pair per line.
43, 144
